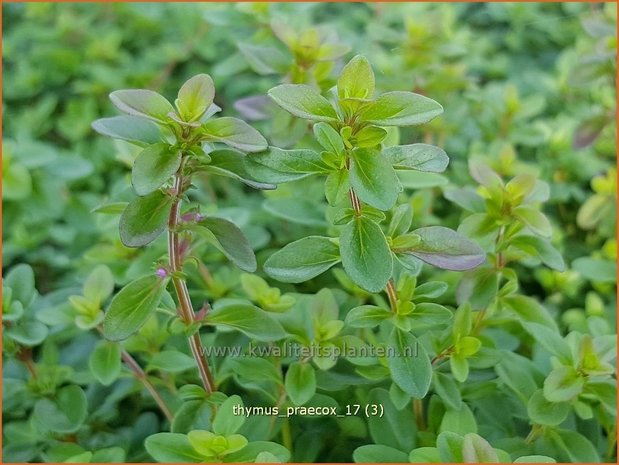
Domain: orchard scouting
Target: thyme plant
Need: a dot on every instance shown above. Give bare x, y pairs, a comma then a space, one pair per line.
178, 143
373, 241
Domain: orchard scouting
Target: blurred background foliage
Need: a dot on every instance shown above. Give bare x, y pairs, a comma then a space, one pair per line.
526, 87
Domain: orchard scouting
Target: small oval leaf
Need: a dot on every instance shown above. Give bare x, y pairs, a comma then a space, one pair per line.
144, 219
132, 306
153, 167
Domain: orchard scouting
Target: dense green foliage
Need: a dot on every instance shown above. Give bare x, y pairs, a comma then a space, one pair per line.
421, 197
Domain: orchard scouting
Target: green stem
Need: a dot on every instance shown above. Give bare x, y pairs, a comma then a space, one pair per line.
286, 435
419, 418
24, 355
185, 309
140, 375
612, 442
392, 294
500, 261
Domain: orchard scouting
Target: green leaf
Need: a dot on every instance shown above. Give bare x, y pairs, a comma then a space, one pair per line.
401, 109
412, 373
467, 346
153, 167
424, 455
142, 102
192, 414
459, 367
302, 260
401, 220
21, 281
447, 390
544, 412
229, 239
132, 306
373, 179
476, 449
100, 284
303, 101
236, 165
593, 210
369, 136
529, 309
540, 248
520, 187
367, 316
376, 453
395, 428
264, 60
447, 249
365, 254
64, 413
247, 318
519, 374
16, 182
329, 138
27, 333
195, 96
104, 362
414, 180
550, 339
171, 361
250, 452
235, 133
573, 447
534, 219
300, 382
144, 219
297, 163
461, 421
212, 445
449, 447
337, 186
133, 129
296, 210
171, 448
430, 313
226, 422
563, 384
356, 79
596, 269
112, 208
420, 157
535, 459
255, 369
430, 290
109, 455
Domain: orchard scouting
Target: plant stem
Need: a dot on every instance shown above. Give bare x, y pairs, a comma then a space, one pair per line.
498, 244
393, 296
419, 418
286, 435
185, 309
355, 202
612, 441
25, 356
140, 375
133, 365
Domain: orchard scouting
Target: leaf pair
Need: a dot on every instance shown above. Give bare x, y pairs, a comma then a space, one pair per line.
366, 256
355, 92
